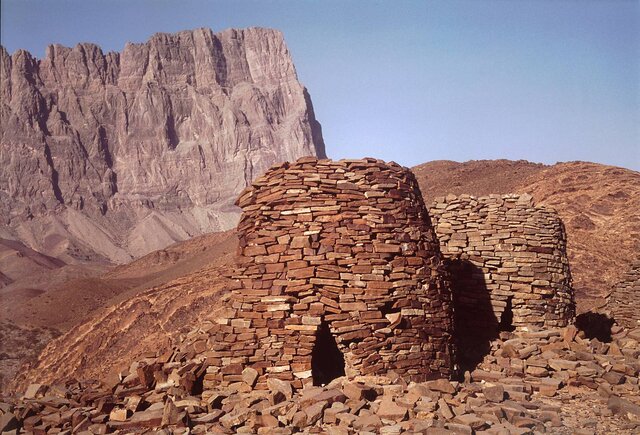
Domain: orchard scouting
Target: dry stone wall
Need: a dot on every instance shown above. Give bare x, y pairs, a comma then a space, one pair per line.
508, 261
341, 268
623, 301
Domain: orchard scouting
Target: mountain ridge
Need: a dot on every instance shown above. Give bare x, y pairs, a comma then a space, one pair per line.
110, 156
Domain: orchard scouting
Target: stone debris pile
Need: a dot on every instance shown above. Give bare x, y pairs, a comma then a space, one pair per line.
341, 274
623, 302
542, 381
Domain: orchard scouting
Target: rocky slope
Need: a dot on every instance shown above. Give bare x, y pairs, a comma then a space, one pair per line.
119, 334
111, 156
599, 204
16, 258
50, 302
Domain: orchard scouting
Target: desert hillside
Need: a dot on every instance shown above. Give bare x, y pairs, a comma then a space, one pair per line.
125, 331
181, 252
45, 304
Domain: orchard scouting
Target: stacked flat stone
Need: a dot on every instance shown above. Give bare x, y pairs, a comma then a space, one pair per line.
547, 381
346, 244
623, 302
508, 257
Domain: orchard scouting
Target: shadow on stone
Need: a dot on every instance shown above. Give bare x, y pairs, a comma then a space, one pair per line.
475, 324
506, 319
595, 325
327, 362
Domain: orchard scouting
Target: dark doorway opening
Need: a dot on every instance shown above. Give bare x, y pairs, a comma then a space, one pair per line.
595, 325
506, 319
327, 362
475, 323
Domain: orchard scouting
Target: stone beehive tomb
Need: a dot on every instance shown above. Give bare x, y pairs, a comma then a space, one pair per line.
341, 275
508, 262
623, 301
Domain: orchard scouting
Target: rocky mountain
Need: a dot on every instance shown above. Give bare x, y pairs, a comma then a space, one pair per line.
110, 156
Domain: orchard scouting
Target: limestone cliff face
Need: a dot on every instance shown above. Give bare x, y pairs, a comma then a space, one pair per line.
114, 155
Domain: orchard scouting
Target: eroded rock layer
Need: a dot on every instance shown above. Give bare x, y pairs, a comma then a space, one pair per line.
111, 156
342, 275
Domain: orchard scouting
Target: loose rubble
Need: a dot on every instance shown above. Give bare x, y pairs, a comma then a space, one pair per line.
538, 381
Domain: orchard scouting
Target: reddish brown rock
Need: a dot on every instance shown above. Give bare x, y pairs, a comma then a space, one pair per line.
35, 391
118, 414
494, 393
250, 376
441, 385
314, 412
389, 410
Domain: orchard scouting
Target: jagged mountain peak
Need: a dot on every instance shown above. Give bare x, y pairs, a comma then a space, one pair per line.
110, 156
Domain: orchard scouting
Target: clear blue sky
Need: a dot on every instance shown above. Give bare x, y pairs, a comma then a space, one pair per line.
414, 81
